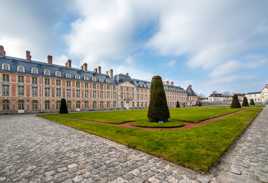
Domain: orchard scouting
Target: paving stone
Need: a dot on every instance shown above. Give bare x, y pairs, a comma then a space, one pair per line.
36, 150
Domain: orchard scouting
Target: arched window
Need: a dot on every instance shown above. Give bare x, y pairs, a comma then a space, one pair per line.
34, 70
46, 72
6, 67
20, 68
58, 73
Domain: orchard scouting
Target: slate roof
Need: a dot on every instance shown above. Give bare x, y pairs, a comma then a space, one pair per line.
75, 73
190, 91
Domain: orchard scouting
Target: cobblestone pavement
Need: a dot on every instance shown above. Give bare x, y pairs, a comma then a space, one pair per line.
36, 150
247, 161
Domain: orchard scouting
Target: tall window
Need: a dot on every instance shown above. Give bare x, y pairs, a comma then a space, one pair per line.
5, 78
58, 73
34, 91
21, 90
86, 104
94, 105
78, 92
21, 105
58, 92
77, 84
5, 105
78, 105
69, 104
34, 80
47, 91
21, 79
46, 72
47, 105
34, 105
5, 90
47, 81
86, 93
68, 83
58, 82
68, 91
58, 104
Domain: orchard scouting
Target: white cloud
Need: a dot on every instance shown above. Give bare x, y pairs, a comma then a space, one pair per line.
226, 68
172, 63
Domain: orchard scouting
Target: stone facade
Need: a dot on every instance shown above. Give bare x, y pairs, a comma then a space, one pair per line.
34, 86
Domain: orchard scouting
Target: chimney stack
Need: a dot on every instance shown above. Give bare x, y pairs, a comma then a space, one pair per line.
99, 69
172, 83
84, 67
28, 55
107, 73
2, 51
68, 64
95, 70
111, 73
167, 82
49, 59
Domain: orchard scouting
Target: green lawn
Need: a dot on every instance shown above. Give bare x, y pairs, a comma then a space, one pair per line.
180, 114
146, 124
197, 148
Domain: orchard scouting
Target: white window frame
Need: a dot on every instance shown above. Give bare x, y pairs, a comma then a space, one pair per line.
58, 73
6, 67
46, 72
34, 70
20, 68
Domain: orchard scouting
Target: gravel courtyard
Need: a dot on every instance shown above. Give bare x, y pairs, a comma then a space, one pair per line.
36, 150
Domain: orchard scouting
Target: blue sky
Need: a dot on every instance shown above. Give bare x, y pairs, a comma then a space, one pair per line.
213, 45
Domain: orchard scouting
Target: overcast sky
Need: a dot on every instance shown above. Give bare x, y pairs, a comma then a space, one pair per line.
213, 45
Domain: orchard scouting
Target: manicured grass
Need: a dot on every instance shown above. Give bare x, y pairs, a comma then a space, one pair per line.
197, 148
193, 114
170, 124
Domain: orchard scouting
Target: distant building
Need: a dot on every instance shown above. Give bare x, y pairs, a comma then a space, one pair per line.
34, 86
219, 98
255, 96
264, 94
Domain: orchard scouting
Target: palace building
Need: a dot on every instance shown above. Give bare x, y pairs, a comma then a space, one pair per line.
29, 86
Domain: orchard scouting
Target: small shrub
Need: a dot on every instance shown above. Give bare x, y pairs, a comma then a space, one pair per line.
178, 104
235, 102
245, 102
252, 102
158, 108
63, 106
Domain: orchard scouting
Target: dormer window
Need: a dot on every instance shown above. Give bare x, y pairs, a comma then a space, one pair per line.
20, 68
46, 72
68, 75
58, 73
86, 77
34, 70
77, 76
6, 67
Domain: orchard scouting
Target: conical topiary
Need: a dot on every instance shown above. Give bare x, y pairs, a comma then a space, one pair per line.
158, 108
235, 102
245, 102
63, 106
252, 102
178, 104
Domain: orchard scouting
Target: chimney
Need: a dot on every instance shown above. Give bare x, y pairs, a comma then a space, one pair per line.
167, 82
95, 70
172, 83
28, 55
99, 69
68, 64
84, 67
107, 73
111, 73
49, 59
127, 74
2, 51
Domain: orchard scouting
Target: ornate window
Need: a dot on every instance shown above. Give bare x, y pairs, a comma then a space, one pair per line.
34, 70
58, 73
6, 67
68, 75
46, 72
20, 68
77, 76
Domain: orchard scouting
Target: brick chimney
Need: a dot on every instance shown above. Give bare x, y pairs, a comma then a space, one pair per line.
167, 82
172, 83
2, 51
84, 67
49, 59
99, 69
28, 55
111, 73
96, 70
68, 64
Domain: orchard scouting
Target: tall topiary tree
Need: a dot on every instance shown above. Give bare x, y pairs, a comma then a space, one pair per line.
178, 104
235, 102
245, 102
63, 106
252, 102
158, 108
